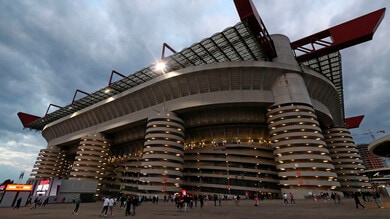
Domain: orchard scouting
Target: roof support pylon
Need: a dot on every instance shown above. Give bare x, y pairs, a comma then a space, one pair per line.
339, 37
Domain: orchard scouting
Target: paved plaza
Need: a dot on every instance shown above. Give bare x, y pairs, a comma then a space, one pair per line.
228, 209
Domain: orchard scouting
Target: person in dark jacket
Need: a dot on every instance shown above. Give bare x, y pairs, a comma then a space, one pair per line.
77, 201
377, 199
18, 202
357, 201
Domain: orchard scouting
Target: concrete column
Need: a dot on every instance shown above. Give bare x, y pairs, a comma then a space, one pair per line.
163, 154
283, 50
346, 159
91, 158
49, 163
303, 159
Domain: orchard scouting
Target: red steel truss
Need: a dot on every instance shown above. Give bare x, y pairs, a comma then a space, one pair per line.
248, 14
344, 35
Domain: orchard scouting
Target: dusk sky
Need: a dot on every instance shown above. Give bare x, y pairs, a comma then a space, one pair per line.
51, 48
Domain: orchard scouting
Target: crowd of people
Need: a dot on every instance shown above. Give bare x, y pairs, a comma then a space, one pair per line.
367, 196
184, 202
127, 202
38, 202
286, 197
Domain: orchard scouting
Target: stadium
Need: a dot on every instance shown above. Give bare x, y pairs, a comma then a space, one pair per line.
240, 112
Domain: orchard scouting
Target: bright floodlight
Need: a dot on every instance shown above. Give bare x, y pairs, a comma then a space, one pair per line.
160, 66
107, 90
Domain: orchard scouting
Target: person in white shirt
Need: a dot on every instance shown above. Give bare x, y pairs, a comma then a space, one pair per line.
285, 199
105, 206
111, 203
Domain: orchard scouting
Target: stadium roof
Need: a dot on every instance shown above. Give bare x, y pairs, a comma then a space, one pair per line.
246, 41
233, 44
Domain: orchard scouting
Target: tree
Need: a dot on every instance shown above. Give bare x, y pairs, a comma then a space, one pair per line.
7, 181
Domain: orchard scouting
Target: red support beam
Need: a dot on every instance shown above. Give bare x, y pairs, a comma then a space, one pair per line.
48, 108
165, 45
78, 91
339, 37
248, 14
112, 75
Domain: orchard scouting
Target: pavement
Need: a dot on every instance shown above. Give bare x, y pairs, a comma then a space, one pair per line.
245, 210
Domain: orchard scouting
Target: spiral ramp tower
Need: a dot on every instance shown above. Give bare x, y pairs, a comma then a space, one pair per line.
91, 158
163, 154
300, 149
346, 159
49, 164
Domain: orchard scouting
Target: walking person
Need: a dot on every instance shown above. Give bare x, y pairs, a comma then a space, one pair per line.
377, 199
196, 200
18, 202
285, 199
134, 205
314, 197
201, 201
333, 196
123, 201
105, 206
338, 198
34, 205
256, 200
237, 199
180, 202
186, 202
357, 201
45, 202
111, 203
292, 200
77, 201
128, 204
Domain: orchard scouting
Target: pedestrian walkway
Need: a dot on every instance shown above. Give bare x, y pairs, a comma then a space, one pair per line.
245, 210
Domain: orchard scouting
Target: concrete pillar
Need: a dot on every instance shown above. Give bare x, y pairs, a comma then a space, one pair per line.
163, 154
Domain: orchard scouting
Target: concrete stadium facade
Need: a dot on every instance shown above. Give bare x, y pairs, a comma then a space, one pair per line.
229, 127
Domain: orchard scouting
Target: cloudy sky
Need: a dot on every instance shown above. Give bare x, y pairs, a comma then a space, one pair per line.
51, 48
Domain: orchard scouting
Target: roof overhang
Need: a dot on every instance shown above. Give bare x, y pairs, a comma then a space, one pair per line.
353, 122
380, 146
27, 119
